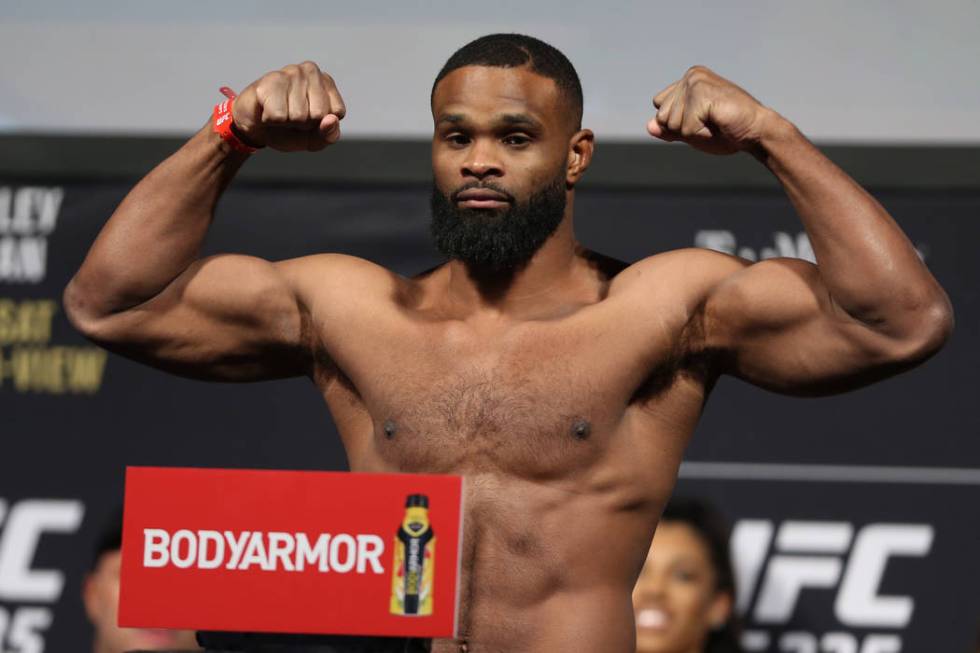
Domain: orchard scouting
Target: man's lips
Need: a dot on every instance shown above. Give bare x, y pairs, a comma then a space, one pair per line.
482, 198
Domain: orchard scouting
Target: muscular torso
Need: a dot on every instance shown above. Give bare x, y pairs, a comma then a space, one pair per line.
568, 427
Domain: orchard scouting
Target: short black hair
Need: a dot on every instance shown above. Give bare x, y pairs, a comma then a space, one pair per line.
513, 51
712, 527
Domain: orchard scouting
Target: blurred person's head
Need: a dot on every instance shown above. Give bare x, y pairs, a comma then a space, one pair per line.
683, 599
100, 593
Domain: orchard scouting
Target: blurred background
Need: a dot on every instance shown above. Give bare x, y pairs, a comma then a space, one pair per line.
855, 518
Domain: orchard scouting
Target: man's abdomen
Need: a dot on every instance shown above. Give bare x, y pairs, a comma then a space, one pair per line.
549, 563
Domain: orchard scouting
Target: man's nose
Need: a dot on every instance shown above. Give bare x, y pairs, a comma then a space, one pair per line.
482, 161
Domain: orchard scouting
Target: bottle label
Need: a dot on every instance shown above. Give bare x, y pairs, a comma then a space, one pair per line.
414, 560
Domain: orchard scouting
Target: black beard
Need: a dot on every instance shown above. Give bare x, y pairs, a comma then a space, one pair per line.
493, 240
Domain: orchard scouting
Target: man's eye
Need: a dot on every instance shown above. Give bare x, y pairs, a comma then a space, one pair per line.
517, 139
457, 139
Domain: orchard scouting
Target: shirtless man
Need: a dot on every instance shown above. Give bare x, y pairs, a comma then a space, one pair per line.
561, 383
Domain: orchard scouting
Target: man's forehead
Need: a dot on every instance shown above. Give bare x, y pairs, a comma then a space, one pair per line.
494, 91
523, 120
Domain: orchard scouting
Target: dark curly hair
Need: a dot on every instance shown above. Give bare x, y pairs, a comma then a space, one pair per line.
515, 50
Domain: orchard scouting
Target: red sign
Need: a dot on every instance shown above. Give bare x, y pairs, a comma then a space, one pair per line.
291, 552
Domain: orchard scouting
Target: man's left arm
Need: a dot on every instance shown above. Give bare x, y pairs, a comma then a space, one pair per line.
868, 309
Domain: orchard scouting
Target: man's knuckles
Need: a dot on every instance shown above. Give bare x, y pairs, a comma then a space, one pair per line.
698, 72
288, 108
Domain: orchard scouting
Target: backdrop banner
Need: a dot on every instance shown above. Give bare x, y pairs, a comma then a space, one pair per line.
855, 516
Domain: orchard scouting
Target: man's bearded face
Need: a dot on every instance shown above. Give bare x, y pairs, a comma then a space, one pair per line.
496, 240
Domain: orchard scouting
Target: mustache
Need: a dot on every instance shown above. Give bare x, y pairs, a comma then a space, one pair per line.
484, 186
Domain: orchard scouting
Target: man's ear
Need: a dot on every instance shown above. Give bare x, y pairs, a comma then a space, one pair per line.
580, 148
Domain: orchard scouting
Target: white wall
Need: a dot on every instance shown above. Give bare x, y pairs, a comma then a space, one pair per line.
859, 72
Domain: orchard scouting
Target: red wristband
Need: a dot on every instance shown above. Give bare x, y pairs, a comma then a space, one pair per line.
223, 123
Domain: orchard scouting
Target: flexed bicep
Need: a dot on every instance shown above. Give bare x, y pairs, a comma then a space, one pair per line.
778, 327
226, 317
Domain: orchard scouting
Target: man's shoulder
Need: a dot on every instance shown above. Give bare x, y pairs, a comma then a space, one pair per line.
334, 261
692, 269
333, 273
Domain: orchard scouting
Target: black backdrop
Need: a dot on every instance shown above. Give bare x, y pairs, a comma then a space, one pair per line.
866, 502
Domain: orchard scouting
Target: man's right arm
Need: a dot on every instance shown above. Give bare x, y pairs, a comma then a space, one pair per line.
143, 292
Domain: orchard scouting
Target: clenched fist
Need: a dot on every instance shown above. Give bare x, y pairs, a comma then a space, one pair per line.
709, 113
296, 108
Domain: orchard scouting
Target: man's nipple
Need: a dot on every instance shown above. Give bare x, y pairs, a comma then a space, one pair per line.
389, 428
581, 429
